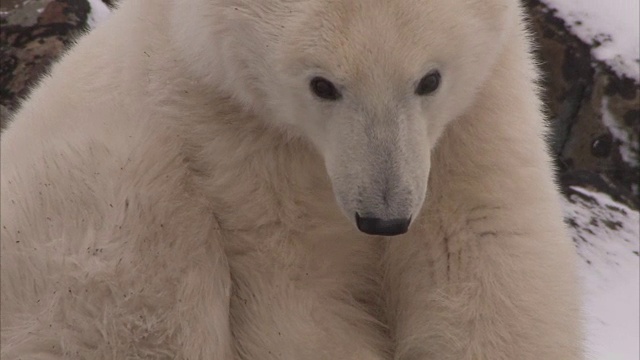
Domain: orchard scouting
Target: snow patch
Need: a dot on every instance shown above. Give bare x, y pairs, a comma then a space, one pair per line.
607, 236
98, 14
611, 26
629, 147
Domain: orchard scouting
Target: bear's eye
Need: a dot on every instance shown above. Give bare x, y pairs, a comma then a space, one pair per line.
429, 83
324, 89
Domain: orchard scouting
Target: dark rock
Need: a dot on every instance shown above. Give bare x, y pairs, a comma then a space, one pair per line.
601, 146
593, 111
27, 50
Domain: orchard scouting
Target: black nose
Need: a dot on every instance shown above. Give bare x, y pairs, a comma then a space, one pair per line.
376, 226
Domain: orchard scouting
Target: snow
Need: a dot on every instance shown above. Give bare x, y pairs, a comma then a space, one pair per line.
614, 24
629, 146
99, 13
607, 233
607, 236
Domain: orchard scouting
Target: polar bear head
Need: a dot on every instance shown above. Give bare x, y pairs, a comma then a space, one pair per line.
371, 83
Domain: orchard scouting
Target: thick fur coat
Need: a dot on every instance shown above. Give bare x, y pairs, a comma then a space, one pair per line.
174, 190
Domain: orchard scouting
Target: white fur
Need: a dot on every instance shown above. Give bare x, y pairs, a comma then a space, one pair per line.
173, 190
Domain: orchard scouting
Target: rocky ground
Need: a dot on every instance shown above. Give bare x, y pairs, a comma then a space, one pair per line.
594, 114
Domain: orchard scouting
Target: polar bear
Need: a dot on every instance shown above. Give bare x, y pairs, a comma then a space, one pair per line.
287, 179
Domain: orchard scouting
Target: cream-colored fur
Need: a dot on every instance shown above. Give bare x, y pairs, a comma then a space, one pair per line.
173, 190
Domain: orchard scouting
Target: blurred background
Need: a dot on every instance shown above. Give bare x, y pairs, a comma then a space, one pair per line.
590, 61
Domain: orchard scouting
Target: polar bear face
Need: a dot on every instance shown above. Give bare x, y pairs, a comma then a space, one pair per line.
372, 83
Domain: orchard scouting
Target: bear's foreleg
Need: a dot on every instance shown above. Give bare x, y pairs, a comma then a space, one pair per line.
488, 271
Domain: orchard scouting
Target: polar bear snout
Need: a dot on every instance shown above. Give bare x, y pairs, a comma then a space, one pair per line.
379, 188
383, 227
